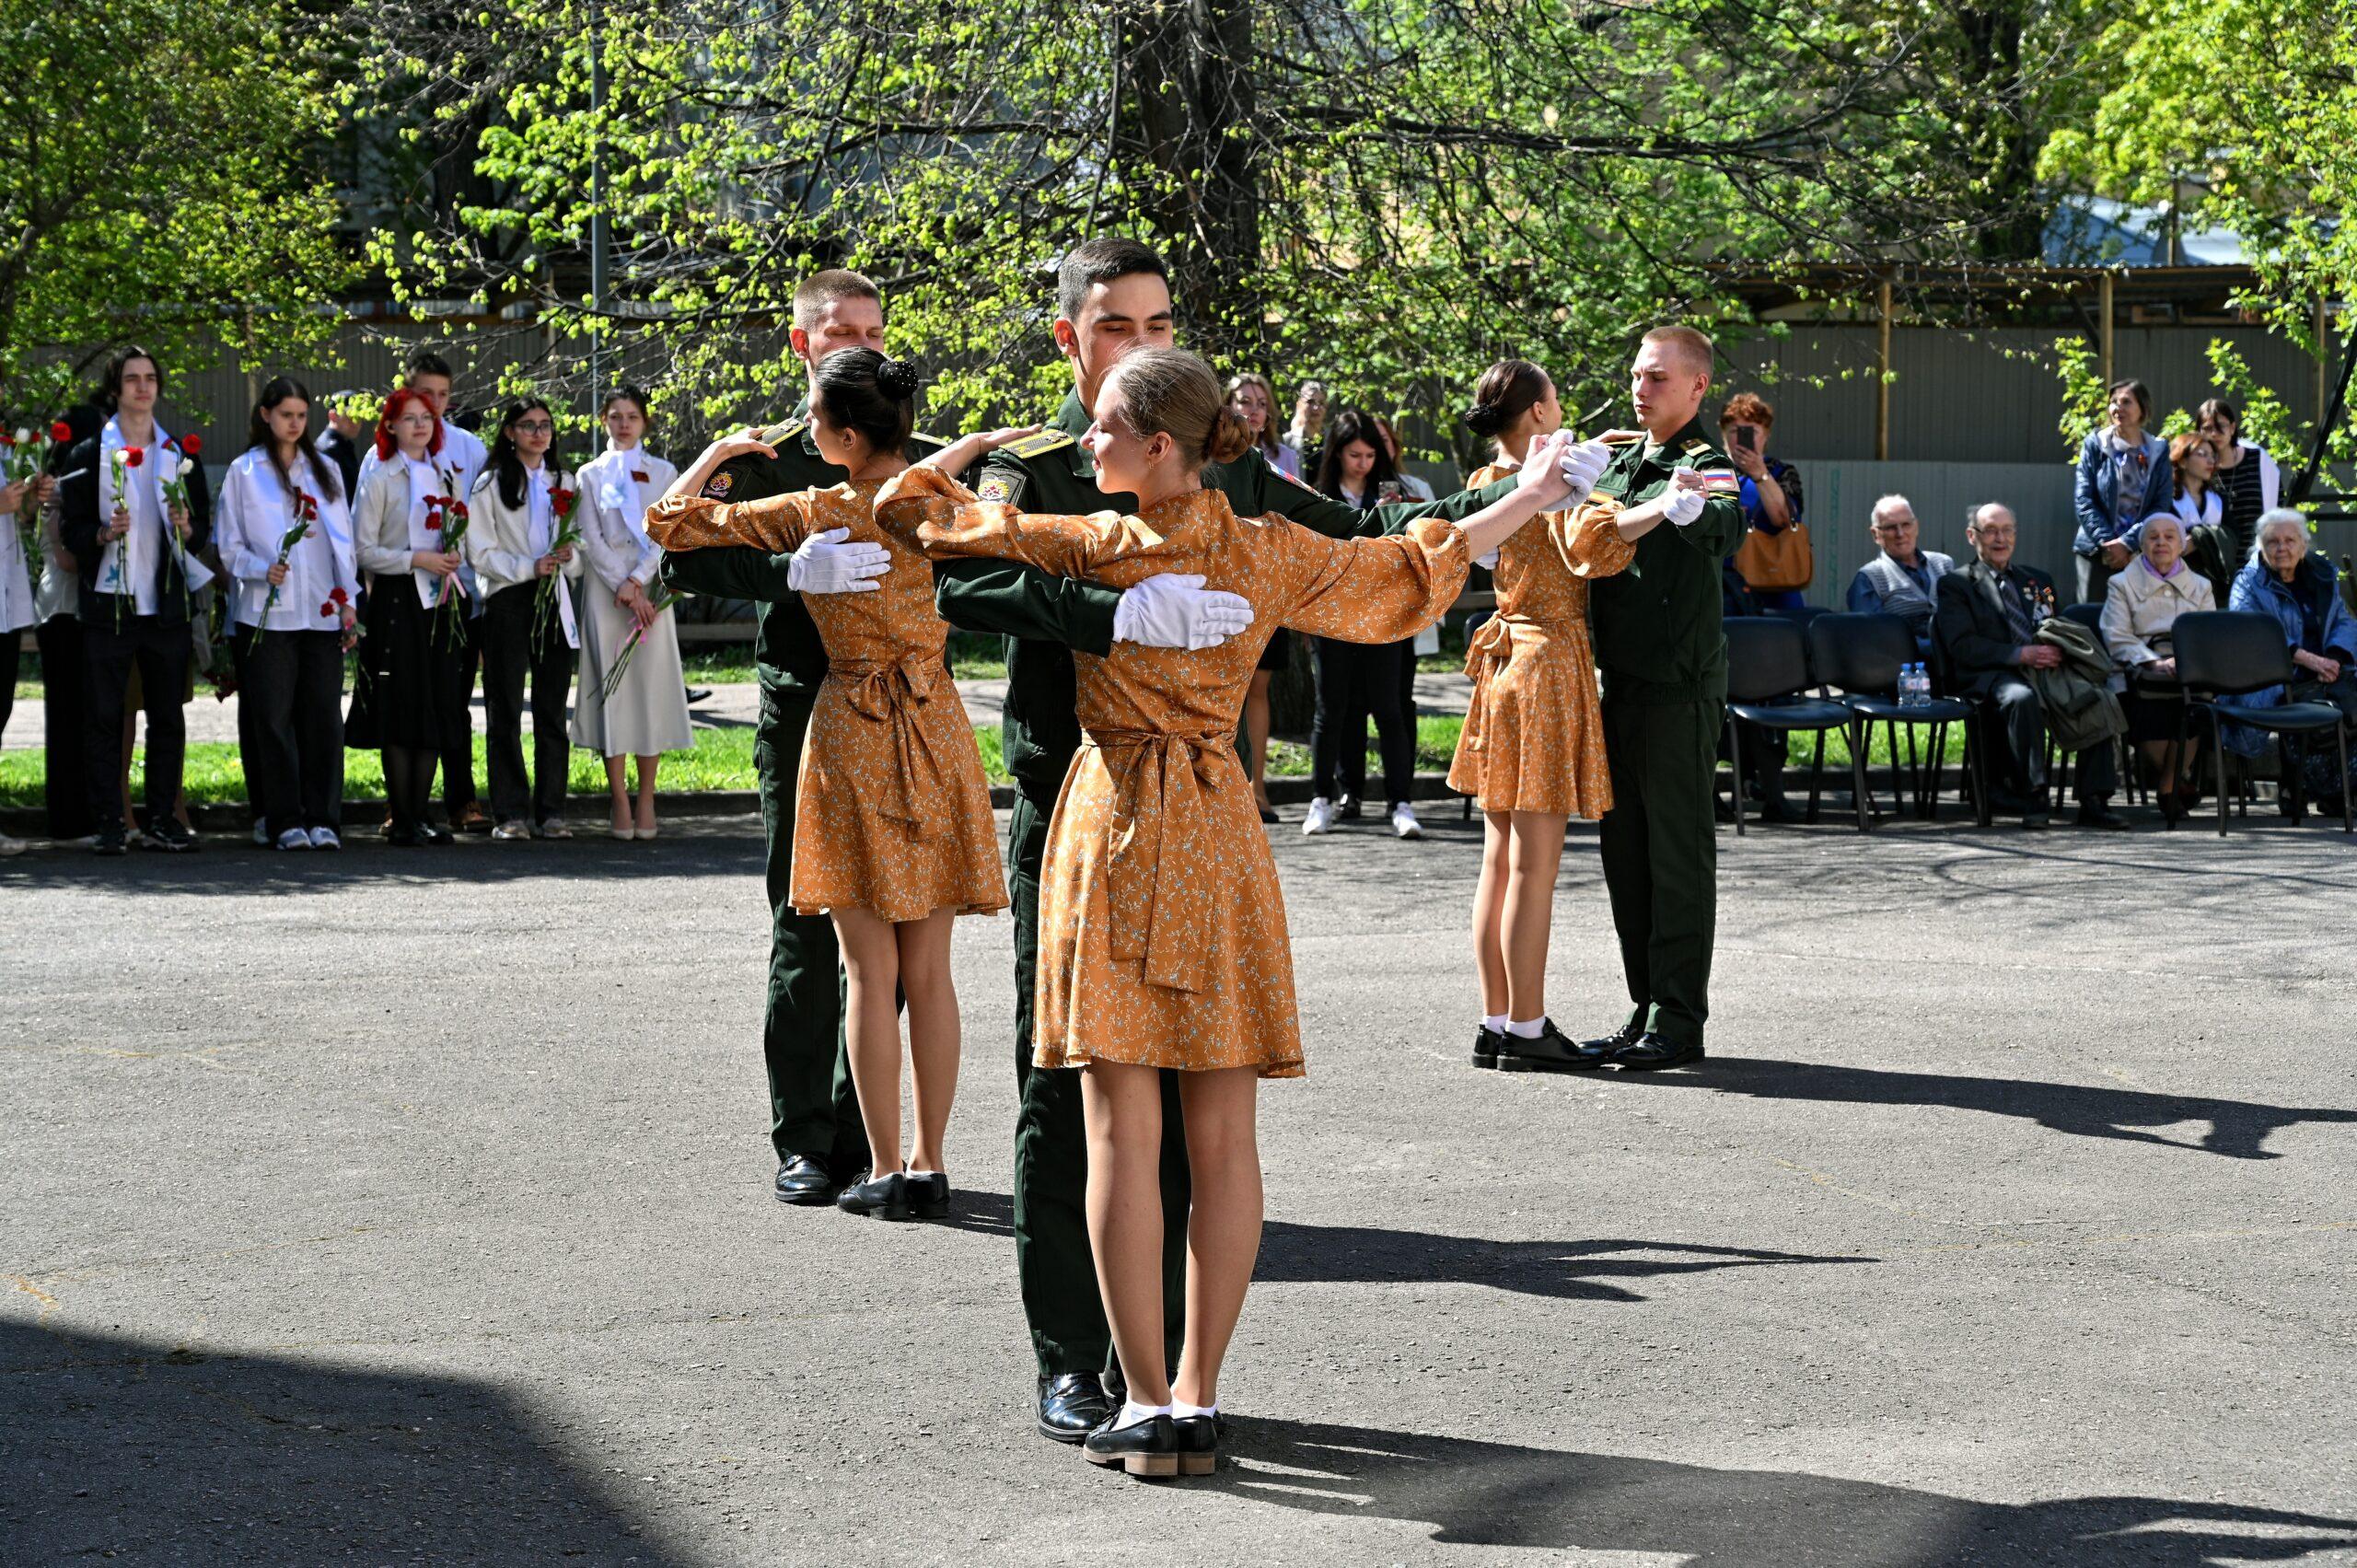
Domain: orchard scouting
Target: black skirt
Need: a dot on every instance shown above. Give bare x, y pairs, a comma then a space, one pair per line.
413, 683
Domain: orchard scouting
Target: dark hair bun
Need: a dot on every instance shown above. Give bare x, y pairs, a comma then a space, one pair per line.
896, 379
1231, 437
1485, 420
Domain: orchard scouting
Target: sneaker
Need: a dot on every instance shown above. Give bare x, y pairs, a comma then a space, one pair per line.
1404, 823
108, 841
170, 837
1349, 810
324, 838
509, 833
294, 838
554, 828
1321, 816
9, 846
261, 833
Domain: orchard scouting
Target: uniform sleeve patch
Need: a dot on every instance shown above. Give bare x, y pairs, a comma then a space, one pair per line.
719, 486
1000, 486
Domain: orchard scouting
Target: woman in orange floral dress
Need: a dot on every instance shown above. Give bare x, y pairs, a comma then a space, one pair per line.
1162, 930
1532, 750
893, 836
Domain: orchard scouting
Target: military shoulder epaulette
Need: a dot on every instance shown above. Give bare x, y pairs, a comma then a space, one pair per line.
1040, 445
776, 434
928, 435
1623, 438
1700, 447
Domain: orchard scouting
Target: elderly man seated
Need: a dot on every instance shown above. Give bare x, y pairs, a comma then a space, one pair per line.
1902, 580
2301, 590
1986, 628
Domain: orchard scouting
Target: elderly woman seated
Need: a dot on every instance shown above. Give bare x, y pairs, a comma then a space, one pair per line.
2140, 605
2298, 589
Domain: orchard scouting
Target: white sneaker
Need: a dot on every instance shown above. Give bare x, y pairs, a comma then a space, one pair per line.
1321, 816
324, 838
1404, 823
509, 833
294, 838
261, 833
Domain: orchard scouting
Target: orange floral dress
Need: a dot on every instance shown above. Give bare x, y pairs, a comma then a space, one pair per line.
1534, 734
891, 812
1162, 930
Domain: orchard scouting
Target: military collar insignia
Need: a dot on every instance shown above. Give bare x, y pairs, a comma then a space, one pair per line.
1040, 445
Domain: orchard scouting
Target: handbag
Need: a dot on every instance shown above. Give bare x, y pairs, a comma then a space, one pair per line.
1776, 561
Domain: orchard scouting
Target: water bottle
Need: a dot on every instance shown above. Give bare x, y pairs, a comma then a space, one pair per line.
1911, 685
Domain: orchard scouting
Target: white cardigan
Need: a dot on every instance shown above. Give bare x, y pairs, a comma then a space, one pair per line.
499, 538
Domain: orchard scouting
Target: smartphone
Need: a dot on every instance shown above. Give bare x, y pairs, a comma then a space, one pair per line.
1746, 437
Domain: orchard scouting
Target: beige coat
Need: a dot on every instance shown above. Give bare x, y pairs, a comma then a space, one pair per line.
2141, 606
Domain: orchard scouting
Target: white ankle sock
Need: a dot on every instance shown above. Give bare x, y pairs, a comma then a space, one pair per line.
1522, 1028
913, 1175
1181, 1410
1132, 1412
1494, 1022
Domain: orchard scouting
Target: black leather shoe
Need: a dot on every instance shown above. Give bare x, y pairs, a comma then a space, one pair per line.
437, 835
1148, 1448
1652, 1053
929, 1195
110, 842
1199, 1438
1604, 1046
1547, 1052
1350, 809
2099, 814
801, 1180
886, 1197
1072, 1406
1487, 1043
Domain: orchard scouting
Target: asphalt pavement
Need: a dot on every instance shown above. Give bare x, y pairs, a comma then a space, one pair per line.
406, 1206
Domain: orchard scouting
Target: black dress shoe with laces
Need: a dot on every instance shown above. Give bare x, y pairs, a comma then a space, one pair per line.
886, 1197
1148, 1448
1604, 1046
1072, 1406
1652, 1053
1487, 1043
1550, 1051
801, 1180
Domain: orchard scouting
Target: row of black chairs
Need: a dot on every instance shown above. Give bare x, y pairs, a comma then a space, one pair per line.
1822, 670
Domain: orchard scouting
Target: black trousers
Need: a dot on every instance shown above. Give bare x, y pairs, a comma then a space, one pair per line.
290, 725
1660, 851
511, 651
1053, 1261
11, 651
814, 1107
1356, 681
65, 706
458, 738
159, 650
2020, 739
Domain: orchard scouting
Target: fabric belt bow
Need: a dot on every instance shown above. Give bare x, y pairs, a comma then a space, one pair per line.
1158, 879
1488, 653
890, 694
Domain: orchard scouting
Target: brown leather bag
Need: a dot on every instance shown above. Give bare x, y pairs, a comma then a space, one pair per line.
1774, 561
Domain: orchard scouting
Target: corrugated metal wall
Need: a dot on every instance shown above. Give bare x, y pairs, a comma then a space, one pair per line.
1841, 498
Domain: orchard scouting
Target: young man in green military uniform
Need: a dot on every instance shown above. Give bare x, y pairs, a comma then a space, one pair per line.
1112, 295
813, 1112
1662, 651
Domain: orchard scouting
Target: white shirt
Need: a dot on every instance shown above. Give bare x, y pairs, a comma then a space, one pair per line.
613, 528
136, 555
16, 581
2210, 509
252, 520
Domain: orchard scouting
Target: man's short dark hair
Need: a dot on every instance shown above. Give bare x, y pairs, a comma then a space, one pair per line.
1101, 261
821, 289
425, 362
111, 382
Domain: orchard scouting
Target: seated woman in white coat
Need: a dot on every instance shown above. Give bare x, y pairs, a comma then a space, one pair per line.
645, 714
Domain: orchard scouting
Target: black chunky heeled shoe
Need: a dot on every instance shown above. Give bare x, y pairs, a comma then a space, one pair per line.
1199, 1438
1148, 1448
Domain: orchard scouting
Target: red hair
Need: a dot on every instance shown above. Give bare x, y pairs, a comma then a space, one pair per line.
395, 406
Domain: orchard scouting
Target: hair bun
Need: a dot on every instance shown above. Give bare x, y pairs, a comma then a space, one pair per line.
897, 377
1231, 437
1485, 420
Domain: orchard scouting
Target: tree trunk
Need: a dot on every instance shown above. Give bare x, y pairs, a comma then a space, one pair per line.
1187, 125
1999, 136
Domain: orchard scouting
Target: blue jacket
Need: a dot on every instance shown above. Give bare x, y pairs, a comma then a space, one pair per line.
2258, 589
2097, 495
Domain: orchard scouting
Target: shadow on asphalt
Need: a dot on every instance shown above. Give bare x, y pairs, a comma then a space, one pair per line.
124, 1449
2239, 1129
1343, 1254
1483, 1493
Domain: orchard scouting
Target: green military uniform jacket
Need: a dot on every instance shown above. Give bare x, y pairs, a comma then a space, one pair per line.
787, 655
1658, 633
1052, 473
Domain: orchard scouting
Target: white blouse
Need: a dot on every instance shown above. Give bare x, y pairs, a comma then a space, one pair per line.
252, 521
617, 487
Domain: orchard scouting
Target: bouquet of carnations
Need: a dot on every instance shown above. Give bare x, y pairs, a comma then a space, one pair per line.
179, 459
22, 457
447, 516
304, 511
565, 503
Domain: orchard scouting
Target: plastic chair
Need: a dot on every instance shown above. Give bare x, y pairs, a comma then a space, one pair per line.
1862, 656
2233, 653
1767, 675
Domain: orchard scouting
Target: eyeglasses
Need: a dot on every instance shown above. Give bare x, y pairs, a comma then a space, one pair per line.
534, 427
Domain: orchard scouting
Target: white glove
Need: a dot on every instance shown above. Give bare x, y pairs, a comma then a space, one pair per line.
825, 564
1487, 563
1583, 466
1687, 505
1174, 611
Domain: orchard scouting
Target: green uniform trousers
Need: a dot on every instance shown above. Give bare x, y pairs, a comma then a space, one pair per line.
813, 1110
1660, 848
1052, 1257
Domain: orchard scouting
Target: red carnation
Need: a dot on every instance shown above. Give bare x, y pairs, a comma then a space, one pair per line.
7, 440
433, 522
560, 502
340, 597
61, 431
191, 445
133, 456
328, 607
